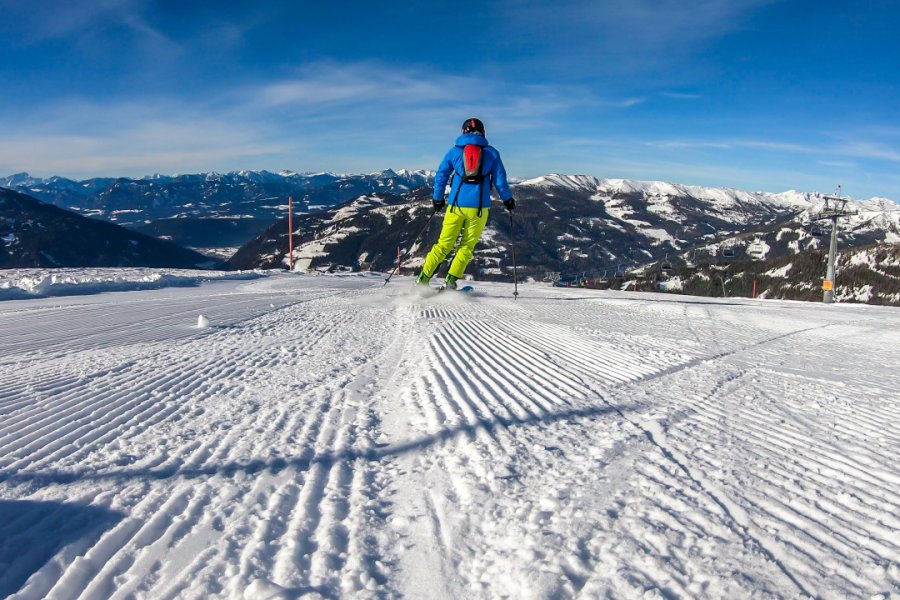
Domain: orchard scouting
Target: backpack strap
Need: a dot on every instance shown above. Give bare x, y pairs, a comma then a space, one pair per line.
490, 181
455, 202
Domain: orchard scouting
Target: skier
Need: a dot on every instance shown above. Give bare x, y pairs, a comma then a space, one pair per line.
475, 166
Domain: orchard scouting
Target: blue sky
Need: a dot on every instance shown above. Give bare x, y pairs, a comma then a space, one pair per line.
752, 94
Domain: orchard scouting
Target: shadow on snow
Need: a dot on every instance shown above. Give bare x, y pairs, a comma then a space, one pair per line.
32, 532
304, 463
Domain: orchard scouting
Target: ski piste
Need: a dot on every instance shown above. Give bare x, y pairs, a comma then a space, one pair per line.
326, 437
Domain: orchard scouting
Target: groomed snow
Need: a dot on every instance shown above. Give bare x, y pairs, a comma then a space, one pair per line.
328, 437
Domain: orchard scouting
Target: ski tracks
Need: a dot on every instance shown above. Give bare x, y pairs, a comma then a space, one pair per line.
815, 503
518, 461
239, 462
563, 457
328, 440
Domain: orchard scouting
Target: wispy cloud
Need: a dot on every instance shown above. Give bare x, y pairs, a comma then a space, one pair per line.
682, 96
628, 35
78, 138
384, 100
687, 144
873, 150
326, 116
848, 148
51, 19
92, 25
333, 83
839, 164
626, 103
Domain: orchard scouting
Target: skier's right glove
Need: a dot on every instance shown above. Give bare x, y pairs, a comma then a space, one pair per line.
439, 205
510, 204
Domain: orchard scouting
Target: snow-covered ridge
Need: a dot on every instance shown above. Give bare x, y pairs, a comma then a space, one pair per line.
20, 180
586, 183
722, 196
18, 284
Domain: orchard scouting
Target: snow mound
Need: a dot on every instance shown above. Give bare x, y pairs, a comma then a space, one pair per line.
19, 284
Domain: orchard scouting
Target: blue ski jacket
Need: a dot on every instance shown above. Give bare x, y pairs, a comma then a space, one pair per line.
470, 194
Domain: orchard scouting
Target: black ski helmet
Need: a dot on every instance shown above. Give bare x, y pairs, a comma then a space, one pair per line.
473, 125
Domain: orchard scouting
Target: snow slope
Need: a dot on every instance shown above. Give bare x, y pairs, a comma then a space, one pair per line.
16, 284
722, 197
327, 437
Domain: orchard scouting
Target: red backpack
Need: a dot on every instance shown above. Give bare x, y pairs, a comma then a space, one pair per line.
473, 161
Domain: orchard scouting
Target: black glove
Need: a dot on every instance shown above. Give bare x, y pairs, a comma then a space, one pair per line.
439, 205
510, 204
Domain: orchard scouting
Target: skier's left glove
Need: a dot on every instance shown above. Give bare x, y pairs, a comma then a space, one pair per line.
510, 204
439, 205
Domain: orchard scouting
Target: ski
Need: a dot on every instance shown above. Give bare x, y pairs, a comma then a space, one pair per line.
466, 289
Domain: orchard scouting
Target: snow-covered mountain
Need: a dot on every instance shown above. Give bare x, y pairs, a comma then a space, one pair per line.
361, 234
36, 234
869, 274
572, 225
660, 190
693, 224
240, 194
565, 224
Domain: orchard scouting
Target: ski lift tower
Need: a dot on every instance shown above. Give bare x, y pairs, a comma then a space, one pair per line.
834, 209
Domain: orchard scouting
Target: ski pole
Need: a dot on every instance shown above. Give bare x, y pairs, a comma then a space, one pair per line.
512, 244
405, 254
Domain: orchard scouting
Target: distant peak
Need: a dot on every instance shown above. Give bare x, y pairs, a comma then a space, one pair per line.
18, 179
574, 182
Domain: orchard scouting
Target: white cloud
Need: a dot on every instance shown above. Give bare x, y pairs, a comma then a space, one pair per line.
77, 138
327, 116
367, 116
330, 83
874, 150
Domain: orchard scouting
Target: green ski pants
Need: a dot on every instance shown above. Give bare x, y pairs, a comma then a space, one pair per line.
471, 225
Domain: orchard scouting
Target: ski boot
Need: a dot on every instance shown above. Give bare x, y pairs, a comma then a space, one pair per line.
423, 279
449, 283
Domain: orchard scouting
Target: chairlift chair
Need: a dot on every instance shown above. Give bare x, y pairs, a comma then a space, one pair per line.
756, 250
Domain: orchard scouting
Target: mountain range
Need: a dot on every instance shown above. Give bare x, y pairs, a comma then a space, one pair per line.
566, 227
237, 195
576, 225
37, 234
